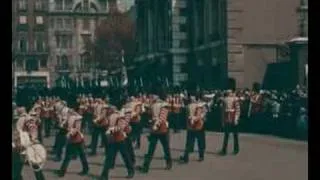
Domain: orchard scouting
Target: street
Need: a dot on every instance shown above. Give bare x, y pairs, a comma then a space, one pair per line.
260, 158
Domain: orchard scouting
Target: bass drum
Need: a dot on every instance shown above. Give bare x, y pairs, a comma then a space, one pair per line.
36, 155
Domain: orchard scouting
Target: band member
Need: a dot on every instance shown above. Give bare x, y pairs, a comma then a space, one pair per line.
62, 118
45, 117
231, 114
75, 144
127, 111
135, 122
159, 131
176, 110
97, 128
116, 139
24, 136
36, 111
195, 130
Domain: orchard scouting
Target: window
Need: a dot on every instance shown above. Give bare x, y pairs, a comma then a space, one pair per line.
86, 24
52, 23
68, 23
86, 5
32, 65
62, 61
38, 5
22, 4
58, 41
68, 4
59, 23
19, 63
43, 63
23, 20
39, 20
58, 6
22, 45
84, 62
64, 41
39, 43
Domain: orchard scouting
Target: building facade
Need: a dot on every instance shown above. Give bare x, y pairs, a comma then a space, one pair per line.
29, 41
72, 25
49, 38
258, 32
185, 41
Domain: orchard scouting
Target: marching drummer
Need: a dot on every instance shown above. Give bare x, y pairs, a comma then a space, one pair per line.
26, 125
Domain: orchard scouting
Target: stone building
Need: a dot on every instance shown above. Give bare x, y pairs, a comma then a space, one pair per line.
72, 24
183, 40
29, 42
258, 32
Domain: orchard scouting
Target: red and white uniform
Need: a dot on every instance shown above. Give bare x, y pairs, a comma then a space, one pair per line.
28, 124
231, 110
117, 126
74, 127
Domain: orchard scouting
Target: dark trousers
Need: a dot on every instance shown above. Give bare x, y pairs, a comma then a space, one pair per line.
40, 128
153, 140
96, 131
111, 156
175, 121
60, 142
47, 126
130, 149
227, 129
87, 124
71, 151
136, 133
192, 136
17, 167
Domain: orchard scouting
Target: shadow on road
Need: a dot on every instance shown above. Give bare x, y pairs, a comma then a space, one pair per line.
182, 151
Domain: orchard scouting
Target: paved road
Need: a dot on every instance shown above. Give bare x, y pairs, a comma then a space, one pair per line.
260, 158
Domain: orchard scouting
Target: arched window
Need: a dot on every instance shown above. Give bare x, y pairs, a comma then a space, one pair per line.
93, 7
86, 5
78, 8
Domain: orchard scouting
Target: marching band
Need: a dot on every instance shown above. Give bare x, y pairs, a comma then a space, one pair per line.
120, 129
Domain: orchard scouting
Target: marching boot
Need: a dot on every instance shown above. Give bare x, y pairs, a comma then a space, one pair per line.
84, 172
169, 165
236, 151
146, 164
201, 156
130, 174
104, 175
143, 169
223, 152
184, 158
60, 173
